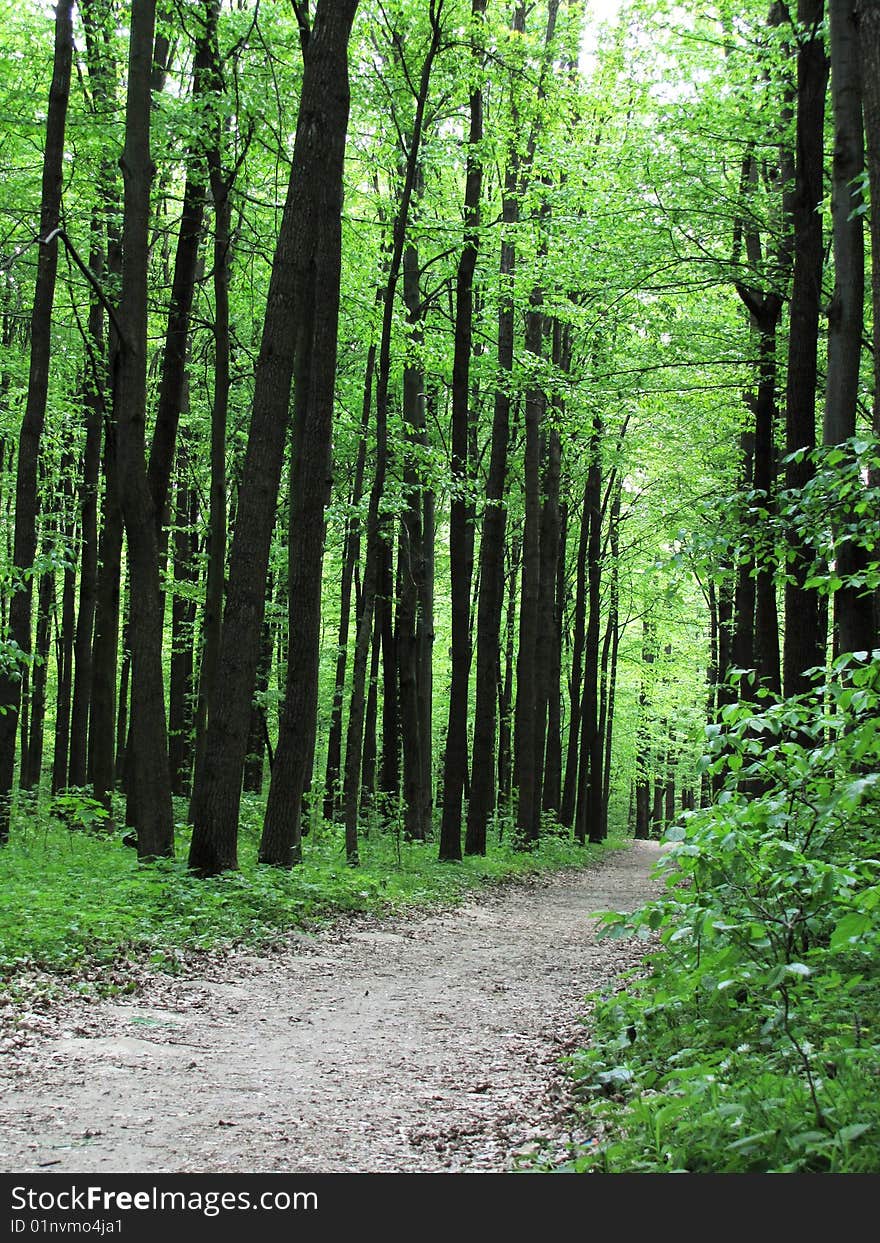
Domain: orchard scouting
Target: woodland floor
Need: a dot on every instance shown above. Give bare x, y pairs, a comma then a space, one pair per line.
417, 1043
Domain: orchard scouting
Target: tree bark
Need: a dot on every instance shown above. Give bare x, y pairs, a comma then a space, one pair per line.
643, 736
802, 644
64, 632
588, 820
220, 191
854, 609
868, 19
312, 206
351, 554
460, 536
147, 761
183, 618
482, 795
375, 535
93, 402
26, 499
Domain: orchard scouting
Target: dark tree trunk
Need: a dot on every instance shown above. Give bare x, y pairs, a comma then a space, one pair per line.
102, 717
854, 608
643, 736
757, 622
569, 793
93, 401
743, 645
370, 748
491, 569
147, 761
504, 685
183, 619
417, 798
312, 206
802, 645
65, 630
32, 759
375, 535
425, 647
482, 793
258, 731
609, 659
553, 764
868, 18
389, 769
213, 613
588, 820
311, 470
26, 501
460, 534
525, 775
174, 354
351, 554
766, 615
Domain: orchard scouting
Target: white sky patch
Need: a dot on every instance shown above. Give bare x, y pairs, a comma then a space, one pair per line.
599, 13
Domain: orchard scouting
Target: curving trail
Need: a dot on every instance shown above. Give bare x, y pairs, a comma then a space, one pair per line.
419, 1043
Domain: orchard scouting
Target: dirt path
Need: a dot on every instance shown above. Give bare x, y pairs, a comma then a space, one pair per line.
413, 1044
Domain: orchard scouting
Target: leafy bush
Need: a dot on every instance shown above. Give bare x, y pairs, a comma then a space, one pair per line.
754, 1045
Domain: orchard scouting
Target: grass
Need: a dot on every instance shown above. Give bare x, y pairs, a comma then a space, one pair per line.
74, 900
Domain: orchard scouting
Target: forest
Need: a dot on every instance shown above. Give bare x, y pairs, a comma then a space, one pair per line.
440, 443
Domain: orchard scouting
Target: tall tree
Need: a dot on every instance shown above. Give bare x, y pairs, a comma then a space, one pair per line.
802, 643
148, 770
854, 610
460, 548
298, 312
27, 470
375, 535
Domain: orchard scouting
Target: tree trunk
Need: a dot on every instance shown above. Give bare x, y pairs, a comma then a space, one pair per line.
504, 685
314, 388
147, 761
64, 634
460, 534
609, 663
417, 798
482, 795
102, 716
588, 820
26, 500
553, 765
868, 18
93, 402
351, 554
643, 736
213, 613
183, 618
569, 793
854, 609
375, 536
32, 760
257, 743
802, 646
312, 203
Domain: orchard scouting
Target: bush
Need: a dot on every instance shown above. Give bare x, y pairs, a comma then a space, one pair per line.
753, 1045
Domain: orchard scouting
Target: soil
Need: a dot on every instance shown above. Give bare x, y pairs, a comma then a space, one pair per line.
420, 1043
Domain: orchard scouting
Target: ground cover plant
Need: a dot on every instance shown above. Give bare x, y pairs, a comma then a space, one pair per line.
754, 1043
77, 899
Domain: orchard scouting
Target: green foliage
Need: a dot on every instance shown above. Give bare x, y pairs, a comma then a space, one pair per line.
753, 1045
76, 901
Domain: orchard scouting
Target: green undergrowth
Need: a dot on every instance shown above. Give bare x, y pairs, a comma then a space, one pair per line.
753, 1046
75, 900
